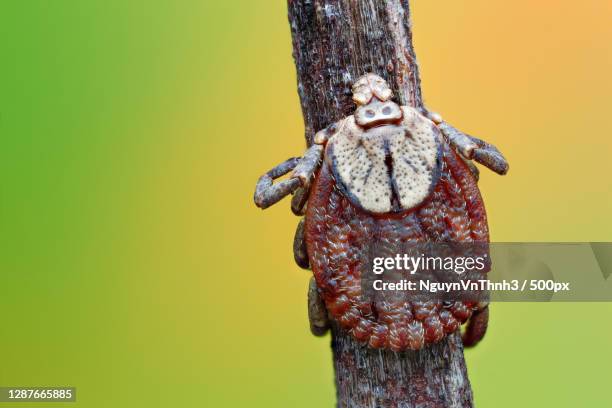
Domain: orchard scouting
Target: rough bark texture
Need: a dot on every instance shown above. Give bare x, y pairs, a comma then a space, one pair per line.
335, 42
435, 376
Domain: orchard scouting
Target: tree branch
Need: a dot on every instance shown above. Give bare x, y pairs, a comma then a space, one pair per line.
335, 42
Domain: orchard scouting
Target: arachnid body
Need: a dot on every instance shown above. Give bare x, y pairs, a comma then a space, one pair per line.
371, 183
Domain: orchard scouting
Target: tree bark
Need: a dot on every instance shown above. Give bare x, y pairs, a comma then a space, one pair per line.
335, 42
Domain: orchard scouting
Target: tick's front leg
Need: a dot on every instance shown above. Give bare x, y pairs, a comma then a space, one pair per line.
267, 193
472, 167
470, 147
317, 313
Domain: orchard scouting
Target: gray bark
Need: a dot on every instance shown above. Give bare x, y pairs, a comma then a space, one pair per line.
335, 42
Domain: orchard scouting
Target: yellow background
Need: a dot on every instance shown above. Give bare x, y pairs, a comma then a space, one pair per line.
134, 264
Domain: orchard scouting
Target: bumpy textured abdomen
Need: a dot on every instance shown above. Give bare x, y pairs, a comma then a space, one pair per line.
341, 239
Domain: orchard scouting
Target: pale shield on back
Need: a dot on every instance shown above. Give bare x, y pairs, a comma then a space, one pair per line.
385, 169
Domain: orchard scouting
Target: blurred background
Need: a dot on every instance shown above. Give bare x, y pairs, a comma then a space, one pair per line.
134, 264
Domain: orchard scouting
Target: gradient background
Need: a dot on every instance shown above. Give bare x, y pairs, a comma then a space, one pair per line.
134, 264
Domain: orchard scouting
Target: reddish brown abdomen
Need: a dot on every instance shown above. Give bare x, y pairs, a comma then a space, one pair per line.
341, 239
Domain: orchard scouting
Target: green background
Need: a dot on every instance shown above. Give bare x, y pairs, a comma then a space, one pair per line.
134, 265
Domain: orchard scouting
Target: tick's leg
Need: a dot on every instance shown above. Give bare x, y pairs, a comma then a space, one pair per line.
267, 193
470, 147
299, 247
472, 167
476, 327
311, 162
488, 155
317, 314
475, 149
298, 202
308, 164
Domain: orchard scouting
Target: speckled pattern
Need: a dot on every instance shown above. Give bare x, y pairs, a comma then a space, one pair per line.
386, 168
341, 238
